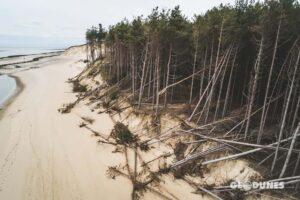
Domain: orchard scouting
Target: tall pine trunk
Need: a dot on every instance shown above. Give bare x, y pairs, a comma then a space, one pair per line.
254, 86
285, 112
194, 68
263, 115
168, 75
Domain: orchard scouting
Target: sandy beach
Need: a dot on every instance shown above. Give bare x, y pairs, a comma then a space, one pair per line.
43, 154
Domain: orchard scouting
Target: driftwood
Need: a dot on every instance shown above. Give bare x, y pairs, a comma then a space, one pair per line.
245, 144
103, 136
161, 156
201, 188
290, 151
178, 82
197, 155
243, 153
285, 111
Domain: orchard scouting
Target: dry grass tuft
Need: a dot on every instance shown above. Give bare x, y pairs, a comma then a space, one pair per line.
82, 124
77, 87
144, 147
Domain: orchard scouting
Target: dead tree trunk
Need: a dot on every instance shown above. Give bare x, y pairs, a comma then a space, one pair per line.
157, 82
143, 77
263, 115
290, 151
205, 107
285, 112
215, 76
254, 86
210, 72
296, 113
133, 74
202, 74
229, 85
216, 65
194, 68
221, 88
168, 76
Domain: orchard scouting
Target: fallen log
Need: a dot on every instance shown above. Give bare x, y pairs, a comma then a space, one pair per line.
243, 153
197, 155
161, 156
246, 144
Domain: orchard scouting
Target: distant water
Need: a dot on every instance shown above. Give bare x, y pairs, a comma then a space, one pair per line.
9, 51
7, 87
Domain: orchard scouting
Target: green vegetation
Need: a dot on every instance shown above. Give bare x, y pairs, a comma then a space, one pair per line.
77, 87
94, 38
233, 61
122, 134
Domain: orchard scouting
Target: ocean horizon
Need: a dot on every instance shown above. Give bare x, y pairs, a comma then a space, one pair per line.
16, 51
7, 83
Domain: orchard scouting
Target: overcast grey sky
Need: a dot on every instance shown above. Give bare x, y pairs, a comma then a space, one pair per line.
68, 19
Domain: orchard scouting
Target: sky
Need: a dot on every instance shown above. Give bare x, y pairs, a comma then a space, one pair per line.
61, 23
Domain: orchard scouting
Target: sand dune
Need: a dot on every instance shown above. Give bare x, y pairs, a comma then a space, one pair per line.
45, 155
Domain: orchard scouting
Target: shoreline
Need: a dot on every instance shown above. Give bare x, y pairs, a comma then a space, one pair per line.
43, 55
19, 84
33, 54
19, 88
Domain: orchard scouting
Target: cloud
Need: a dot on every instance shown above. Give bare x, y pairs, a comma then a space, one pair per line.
28, 24
71, 18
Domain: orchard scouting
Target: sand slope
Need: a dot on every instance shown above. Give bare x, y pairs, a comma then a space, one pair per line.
44, 154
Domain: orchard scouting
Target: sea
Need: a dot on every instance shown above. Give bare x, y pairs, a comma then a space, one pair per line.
13, 51
7, 88
8, 84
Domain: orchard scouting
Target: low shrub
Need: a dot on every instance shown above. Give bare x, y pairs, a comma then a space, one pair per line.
122, 134
77, 87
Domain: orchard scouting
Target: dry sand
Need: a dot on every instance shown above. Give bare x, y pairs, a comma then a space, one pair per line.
43, 154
